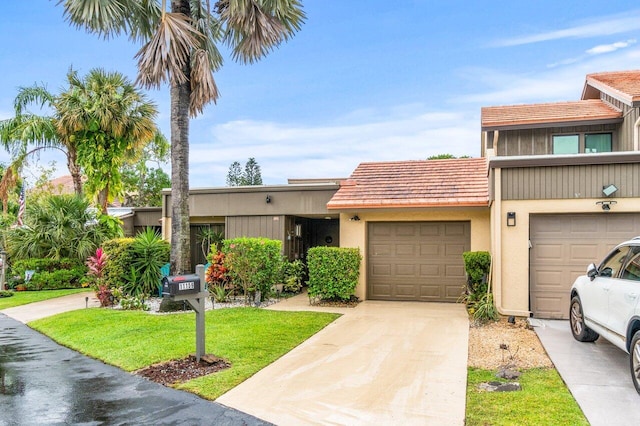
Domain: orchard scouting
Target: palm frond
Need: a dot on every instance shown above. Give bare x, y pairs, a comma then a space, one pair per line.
29, 95
166, 56
105, 18
203, 86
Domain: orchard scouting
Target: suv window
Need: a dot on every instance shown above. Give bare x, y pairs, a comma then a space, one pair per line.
612, 264
632, 270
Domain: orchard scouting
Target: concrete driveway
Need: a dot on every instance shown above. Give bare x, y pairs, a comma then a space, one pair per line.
597, 374
393, 363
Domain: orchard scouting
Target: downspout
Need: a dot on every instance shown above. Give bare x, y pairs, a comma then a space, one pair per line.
636, 135
496, 238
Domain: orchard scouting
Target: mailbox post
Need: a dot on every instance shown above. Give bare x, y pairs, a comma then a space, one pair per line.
190, 288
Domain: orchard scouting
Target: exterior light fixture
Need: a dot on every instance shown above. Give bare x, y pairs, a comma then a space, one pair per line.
511, 218
268, 199
609, 190
355, 218
606, 205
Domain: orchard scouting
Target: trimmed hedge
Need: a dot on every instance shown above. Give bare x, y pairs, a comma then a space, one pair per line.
333, 272
50, 274
117, 269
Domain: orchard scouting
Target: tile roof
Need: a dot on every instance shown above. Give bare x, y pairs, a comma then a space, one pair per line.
624, 85
426, 183
541, 114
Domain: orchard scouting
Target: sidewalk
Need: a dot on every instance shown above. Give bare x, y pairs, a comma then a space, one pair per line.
47, 308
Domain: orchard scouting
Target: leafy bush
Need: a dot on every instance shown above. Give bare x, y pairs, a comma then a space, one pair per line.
477, 295
476, 265
19, 267
293, 275
105, 295
333, 272
133, 303
5, 293
63, 278
219, 293
217, 274
255, 263
118, 268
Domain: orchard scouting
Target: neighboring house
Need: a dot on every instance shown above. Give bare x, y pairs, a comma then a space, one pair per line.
295, 214
558, 184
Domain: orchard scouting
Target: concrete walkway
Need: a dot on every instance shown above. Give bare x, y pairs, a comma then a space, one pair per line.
597, 374
47, 308
392, 363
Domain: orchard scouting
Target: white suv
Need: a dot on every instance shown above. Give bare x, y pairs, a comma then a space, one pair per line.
605, 303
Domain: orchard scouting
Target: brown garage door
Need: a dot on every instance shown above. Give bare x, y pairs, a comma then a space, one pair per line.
416, 260
561, 248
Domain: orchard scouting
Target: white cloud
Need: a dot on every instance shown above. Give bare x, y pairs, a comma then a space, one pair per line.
607, 25
608, 48
293, 151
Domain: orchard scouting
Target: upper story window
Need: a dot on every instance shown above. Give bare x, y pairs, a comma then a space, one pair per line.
582, 143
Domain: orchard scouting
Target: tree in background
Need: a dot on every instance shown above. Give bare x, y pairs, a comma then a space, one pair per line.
111, 122
446, 157
181, 48
250, 176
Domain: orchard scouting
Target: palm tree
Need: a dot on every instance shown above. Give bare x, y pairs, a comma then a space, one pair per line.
180, 47
40, 132
111, 121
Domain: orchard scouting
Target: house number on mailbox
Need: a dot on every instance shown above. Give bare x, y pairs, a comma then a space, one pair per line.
186, 286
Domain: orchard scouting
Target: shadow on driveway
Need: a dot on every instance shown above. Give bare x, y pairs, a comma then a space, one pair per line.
42, 382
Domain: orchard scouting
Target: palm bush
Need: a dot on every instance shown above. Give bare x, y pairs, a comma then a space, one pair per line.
56, 227
148, 253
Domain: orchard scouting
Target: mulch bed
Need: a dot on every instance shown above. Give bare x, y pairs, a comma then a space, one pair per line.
181, 370
333, 303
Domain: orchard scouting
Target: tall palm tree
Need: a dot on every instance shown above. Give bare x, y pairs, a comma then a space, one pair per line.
180, 47
111, 122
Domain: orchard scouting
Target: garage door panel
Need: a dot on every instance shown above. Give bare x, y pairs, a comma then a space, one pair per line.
563, 246
424, 260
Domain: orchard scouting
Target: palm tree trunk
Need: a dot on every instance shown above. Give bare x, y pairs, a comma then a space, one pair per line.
74, 170
180, 98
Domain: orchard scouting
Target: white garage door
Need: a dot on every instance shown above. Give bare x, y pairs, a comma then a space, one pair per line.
419, 261
561, 248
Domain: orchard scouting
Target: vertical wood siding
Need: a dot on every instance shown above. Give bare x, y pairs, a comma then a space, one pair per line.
569, 182
272, 227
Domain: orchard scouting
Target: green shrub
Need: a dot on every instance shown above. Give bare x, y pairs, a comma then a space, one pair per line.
254, 263
5, 293
477, 295
63, 278
133, 303
476, 265
292, 275
117, 269
333, 272
19, 267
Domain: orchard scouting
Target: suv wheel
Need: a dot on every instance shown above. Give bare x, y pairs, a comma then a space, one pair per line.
634, 360
580, 331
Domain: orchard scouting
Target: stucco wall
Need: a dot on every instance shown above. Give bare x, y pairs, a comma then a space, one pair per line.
511, 255
353, 233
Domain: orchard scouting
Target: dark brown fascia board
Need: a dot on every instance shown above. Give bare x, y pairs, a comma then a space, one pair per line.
261, 188
564, 160
553, 124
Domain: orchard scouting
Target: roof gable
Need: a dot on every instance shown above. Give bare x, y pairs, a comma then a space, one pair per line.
426, 183
621, 85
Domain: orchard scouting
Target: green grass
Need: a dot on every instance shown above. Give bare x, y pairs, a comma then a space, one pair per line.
24, 297
249, 338
543, 400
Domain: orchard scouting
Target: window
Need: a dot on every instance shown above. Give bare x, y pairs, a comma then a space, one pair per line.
599, 142
584, 142
566, 144
611, 265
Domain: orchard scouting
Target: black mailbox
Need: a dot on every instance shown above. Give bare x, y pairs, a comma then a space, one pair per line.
178, 285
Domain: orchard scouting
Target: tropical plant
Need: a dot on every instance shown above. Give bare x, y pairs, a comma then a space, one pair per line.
217, 274
96, 263
56, 227
181, 47
111, 121
210, 241
148, 253
219, 293
293, 274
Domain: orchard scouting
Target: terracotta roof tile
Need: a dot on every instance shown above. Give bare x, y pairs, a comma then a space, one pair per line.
426, 183
624, 85
560, 112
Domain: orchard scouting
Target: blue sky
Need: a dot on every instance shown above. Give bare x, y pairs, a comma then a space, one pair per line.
365, 80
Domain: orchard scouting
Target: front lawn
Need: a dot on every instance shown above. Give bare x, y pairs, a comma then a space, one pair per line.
543, 400
249, 338
24, 297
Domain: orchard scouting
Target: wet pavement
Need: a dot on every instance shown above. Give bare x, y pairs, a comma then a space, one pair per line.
43, 383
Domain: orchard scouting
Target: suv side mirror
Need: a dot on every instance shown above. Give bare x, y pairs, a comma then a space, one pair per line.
592, 271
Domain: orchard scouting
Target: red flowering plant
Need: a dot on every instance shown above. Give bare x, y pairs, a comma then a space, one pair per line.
96, 265
218, 279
